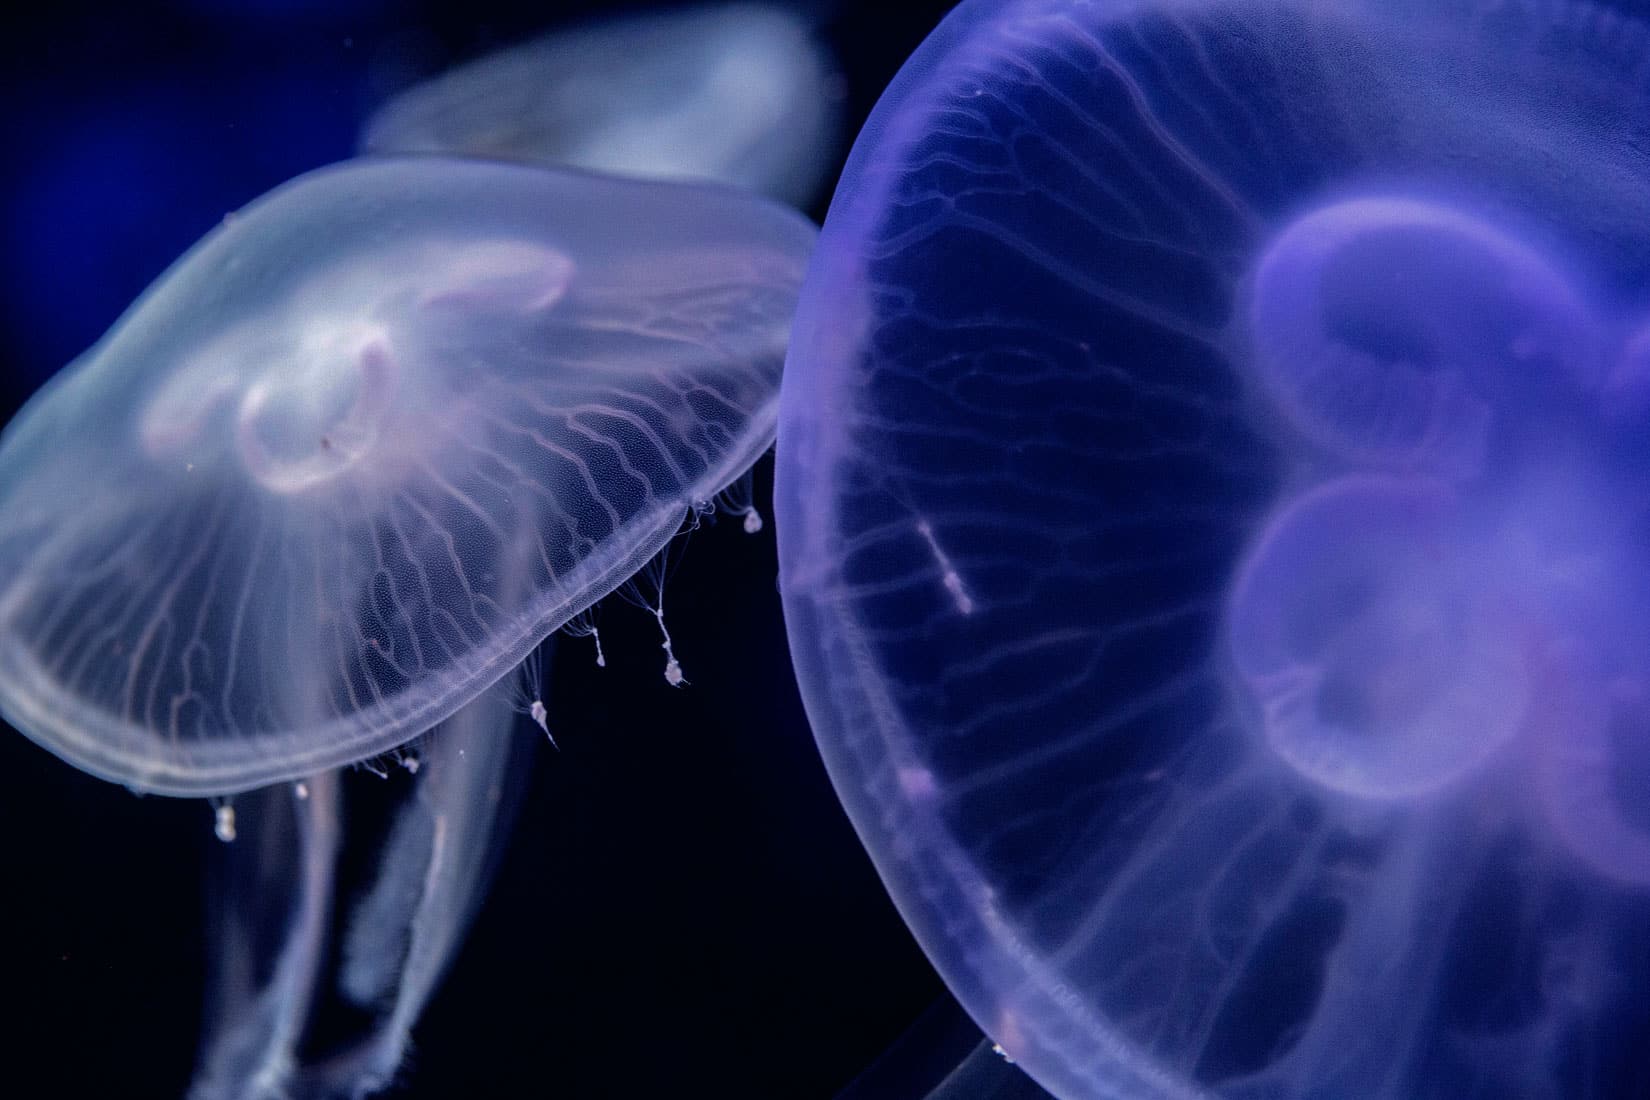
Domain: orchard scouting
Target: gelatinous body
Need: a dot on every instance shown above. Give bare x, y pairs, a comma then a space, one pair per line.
264, 527
741, 93
1213, 538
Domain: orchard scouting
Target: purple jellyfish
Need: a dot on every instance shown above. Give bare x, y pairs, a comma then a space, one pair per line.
1213, 536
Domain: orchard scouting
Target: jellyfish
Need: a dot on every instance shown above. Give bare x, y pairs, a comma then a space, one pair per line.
324, 487
1212, 535
265, 527
741, 93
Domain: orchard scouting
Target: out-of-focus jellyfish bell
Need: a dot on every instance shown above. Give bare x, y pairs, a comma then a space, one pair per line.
1213, 534
266, 526
740, 93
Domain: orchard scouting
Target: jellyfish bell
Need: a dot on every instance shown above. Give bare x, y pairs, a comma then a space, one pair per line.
260, 529
742, 93
1190, 439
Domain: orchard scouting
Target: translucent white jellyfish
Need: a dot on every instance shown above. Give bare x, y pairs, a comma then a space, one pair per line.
322, 488
262, 528
741, 93
1215, 539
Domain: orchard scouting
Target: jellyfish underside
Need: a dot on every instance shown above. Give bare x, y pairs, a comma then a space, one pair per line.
1211, 534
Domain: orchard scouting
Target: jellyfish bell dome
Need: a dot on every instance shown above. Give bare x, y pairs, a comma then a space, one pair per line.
265, 526
1212, 536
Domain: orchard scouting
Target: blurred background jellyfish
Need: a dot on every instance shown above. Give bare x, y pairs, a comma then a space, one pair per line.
1213, 534
743, 93
333, 478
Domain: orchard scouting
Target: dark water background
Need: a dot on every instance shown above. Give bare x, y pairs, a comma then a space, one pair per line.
683, 908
